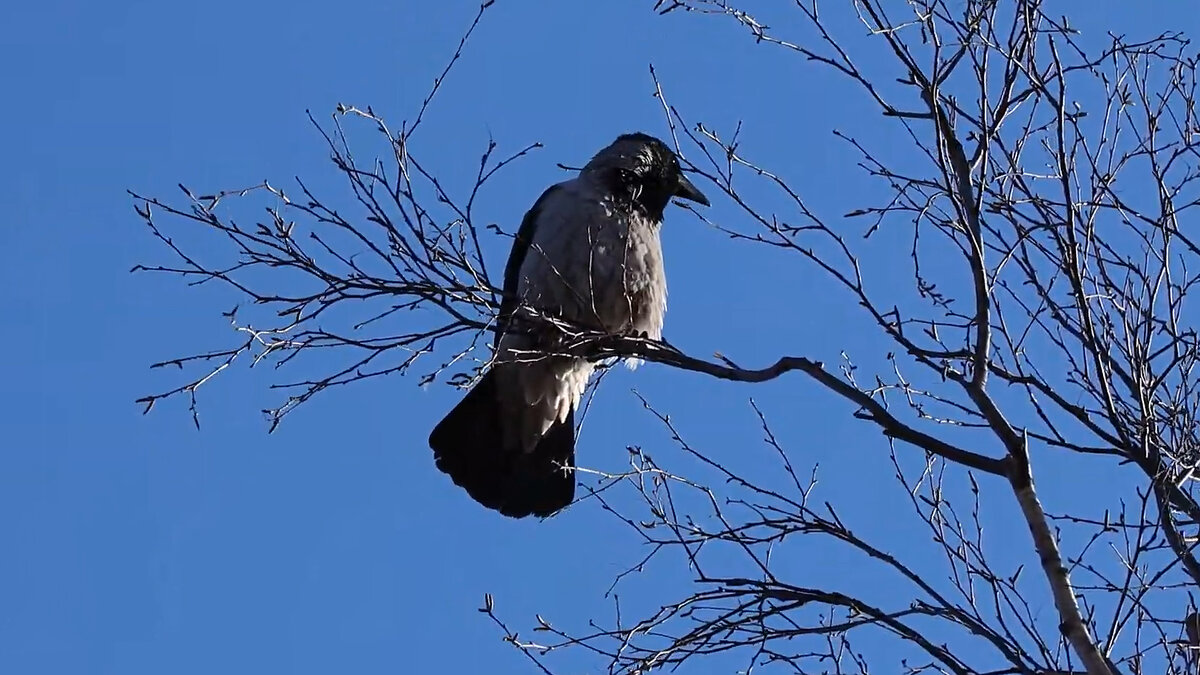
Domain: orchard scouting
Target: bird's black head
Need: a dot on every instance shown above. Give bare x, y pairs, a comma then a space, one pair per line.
645, 170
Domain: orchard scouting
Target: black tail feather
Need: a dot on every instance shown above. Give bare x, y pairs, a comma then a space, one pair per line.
468, 446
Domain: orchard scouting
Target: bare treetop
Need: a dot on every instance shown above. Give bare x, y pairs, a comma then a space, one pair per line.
1044, 195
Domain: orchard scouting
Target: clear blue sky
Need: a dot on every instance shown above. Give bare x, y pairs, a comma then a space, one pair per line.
133, 544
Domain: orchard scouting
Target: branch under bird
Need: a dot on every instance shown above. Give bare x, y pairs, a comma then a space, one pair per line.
588, 253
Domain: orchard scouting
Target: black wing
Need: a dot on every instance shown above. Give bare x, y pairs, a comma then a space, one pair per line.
516, 258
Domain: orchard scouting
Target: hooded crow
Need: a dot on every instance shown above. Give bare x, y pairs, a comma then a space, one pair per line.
588, 252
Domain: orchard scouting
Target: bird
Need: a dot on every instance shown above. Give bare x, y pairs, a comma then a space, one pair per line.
587, 253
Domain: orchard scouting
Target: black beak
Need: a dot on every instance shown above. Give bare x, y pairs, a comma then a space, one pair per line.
686, 190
